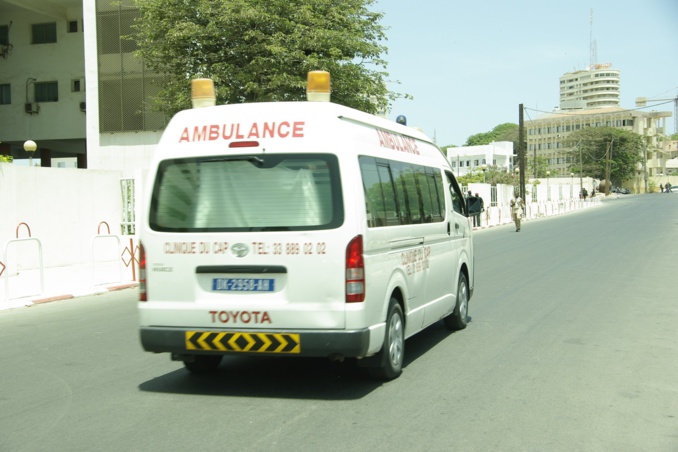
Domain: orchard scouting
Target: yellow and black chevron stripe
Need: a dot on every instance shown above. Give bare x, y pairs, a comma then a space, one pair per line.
243, 342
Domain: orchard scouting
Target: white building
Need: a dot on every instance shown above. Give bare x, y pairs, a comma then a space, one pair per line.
466, 159
590, 98
595, 87
69, 82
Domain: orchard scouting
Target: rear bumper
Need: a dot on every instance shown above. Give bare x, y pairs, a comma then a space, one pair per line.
185, 341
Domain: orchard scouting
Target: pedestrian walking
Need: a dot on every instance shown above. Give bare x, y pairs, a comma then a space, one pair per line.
517, 206
661, 187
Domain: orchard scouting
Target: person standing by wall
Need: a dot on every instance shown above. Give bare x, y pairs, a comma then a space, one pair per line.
473, 206
517, 206
481, 209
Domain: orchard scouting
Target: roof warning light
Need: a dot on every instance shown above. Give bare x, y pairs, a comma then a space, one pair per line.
318, 86
202, 93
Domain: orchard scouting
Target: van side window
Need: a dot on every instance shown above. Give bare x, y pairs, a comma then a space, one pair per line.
431, 195
398, 193
406, 175
458, 202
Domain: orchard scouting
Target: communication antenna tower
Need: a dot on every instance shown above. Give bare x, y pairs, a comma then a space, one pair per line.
593, 57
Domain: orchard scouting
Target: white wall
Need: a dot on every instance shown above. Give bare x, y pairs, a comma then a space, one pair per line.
63, 208
127, 152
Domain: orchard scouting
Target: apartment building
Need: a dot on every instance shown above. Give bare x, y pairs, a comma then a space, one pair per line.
591, 99
70, 83
595, 87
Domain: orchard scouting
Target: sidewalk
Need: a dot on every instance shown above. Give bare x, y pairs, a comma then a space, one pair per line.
29, 287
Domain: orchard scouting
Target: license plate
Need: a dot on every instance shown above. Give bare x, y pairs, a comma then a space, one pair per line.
243, 284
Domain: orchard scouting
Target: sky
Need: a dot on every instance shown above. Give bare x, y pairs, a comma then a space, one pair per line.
470, 64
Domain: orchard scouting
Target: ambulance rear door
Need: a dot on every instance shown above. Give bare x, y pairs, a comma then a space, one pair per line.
251, 239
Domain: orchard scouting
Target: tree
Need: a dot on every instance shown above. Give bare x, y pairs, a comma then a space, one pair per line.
538, 166
493, 176
593, 144
502, 132
262, 50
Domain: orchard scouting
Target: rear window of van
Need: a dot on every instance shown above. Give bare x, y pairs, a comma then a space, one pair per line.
255, 192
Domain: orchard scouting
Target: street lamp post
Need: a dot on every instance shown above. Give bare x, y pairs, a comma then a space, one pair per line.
30, 147
484, 168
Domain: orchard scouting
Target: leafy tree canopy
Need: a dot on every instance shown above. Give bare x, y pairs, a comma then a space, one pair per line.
502, 132
537, 167
592, 145
262, 50
493, 176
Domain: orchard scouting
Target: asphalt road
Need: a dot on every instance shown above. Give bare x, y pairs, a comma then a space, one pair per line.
572, 346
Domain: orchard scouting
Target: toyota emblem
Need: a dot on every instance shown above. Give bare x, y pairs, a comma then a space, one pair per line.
240, 250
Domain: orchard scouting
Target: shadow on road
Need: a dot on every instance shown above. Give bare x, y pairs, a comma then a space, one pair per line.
293, 378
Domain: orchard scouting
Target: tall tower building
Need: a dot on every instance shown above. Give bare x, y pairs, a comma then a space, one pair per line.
595, 87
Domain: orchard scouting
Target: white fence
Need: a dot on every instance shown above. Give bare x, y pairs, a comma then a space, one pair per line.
542, 200
63, 223
61, 218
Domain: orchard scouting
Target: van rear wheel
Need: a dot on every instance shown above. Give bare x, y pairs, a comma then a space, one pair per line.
389, 361
202, 364
459, 317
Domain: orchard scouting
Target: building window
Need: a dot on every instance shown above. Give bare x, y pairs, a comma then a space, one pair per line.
77, 85
5, 94
44, 33
73, 26
4, 35
47, 92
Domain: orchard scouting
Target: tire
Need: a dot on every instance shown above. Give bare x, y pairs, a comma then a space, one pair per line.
459, 317
202, 364
389, 361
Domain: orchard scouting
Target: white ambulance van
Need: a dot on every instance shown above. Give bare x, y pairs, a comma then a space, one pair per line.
299, 229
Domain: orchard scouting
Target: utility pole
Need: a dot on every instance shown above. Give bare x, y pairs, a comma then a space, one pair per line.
645, 165
608, 156
521, 151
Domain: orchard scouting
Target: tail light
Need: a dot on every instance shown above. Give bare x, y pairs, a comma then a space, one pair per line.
355, 271
142, 273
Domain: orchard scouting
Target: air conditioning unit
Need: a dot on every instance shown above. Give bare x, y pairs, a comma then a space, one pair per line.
31, 108
83, 106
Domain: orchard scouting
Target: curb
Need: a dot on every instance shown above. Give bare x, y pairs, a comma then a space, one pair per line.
30, 301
